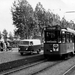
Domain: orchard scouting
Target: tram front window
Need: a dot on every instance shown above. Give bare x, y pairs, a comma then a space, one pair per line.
50, 35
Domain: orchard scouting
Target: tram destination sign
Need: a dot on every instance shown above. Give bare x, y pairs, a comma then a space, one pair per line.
50, 28
53, 28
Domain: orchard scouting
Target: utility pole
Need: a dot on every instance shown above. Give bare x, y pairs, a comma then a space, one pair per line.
70, 12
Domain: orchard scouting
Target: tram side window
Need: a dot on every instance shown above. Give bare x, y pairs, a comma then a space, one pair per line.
63, 37
74, 38
70, 38
67, 37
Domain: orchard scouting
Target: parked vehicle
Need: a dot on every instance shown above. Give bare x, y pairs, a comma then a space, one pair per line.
29, 46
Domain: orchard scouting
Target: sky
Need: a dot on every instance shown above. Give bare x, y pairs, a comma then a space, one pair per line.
59, 7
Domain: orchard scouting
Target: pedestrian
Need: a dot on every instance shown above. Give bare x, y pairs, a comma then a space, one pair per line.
8, 45
5, 47
1, 45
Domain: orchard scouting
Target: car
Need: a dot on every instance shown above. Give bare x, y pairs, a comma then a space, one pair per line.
29, 46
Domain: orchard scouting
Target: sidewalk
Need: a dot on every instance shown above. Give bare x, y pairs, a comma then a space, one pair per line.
7, 56
11, 55
11, 59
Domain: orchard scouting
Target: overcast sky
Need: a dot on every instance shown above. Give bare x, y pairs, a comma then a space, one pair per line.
57, 6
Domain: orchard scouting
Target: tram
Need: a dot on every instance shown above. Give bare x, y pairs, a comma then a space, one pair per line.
58, 41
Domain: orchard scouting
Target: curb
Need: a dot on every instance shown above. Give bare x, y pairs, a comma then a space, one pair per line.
20, 62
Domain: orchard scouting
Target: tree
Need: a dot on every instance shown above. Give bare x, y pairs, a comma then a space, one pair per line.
0, 35
63, 23
5, 33
23, 18
66, 24
48, 18
40, 16
71, 24
56, 19
10, 36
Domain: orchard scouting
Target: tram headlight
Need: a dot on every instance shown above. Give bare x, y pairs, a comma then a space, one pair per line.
55, 47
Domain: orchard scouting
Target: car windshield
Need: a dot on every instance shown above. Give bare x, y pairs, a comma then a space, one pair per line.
24, 42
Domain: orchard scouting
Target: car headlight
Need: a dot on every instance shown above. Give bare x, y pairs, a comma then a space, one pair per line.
26, 48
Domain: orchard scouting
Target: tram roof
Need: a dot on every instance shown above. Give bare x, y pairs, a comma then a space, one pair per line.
63, 30
69, 30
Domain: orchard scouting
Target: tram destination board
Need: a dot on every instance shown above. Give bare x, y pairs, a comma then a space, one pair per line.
53, 28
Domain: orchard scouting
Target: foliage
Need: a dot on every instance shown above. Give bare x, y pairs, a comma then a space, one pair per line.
39, 14
0, 35
31, 23
66, 24
10, 36
23, 19
5, 33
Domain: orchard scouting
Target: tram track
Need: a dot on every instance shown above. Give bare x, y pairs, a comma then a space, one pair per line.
48, 65
22, 67
69, 71
20, 62
46, 68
